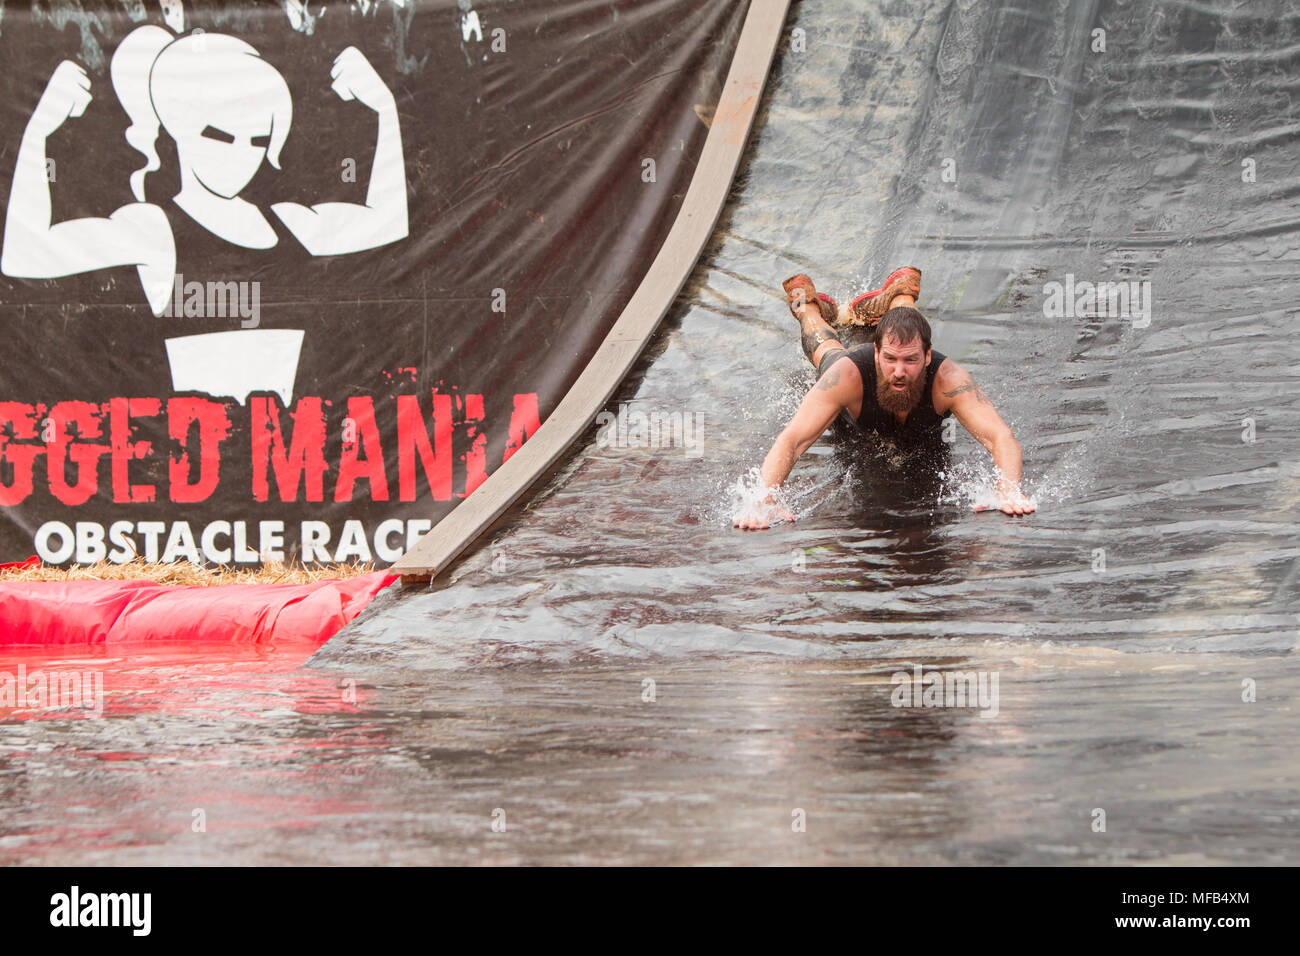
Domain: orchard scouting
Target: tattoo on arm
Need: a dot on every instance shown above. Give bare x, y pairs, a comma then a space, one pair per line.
970, 386
829, 380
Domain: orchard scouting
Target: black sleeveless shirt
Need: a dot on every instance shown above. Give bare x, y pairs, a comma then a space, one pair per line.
923, 425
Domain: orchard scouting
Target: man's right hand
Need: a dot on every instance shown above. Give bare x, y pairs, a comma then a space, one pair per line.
758, 516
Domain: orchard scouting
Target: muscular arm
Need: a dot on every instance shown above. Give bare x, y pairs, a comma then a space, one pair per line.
956, 391
34, 247
336, 228
837, 389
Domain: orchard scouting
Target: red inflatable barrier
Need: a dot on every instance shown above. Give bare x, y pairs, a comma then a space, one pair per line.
119, 612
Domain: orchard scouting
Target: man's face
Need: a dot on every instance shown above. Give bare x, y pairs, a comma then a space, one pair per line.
900, 373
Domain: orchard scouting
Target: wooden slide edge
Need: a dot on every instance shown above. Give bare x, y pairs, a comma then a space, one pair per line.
616, 355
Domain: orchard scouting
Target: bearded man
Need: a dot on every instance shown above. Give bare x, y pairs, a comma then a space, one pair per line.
895, 387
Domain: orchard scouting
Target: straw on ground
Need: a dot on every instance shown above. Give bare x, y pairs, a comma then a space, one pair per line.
186, 573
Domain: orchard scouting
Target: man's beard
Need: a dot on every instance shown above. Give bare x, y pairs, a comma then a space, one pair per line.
892, 400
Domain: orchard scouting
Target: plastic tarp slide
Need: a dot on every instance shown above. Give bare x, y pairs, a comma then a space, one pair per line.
121, 612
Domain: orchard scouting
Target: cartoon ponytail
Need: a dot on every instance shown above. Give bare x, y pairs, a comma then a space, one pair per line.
130, 67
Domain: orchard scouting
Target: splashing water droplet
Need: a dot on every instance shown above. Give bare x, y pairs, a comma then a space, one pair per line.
748, 495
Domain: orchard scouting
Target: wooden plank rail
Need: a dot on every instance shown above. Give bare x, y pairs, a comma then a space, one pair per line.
617, 354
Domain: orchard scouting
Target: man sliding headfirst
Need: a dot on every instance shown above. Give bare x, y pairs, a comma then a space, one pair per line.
895, 387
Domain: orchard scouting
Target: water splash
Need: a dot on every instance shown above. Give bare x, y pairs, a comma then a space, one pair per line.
973, 483
749, 495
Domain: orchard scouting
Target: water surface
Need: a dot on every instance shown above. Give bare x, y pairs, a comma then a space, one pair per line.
1128, 622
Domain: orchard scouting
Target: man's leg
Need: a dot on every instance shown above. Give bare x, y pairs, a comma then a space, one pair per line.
819, 339
900, 288
848, 315
815, 335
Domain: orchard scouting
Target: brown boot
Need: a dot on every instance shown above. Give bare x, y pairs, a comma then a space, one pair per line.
868, 308
799, 289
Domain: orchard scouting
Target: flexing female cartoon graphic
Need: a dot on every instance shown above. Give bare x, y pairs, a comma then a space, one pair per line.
227, 109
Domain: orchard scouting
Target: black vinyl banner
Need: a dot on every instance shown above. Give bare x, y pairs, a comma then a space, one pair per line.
289, 280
